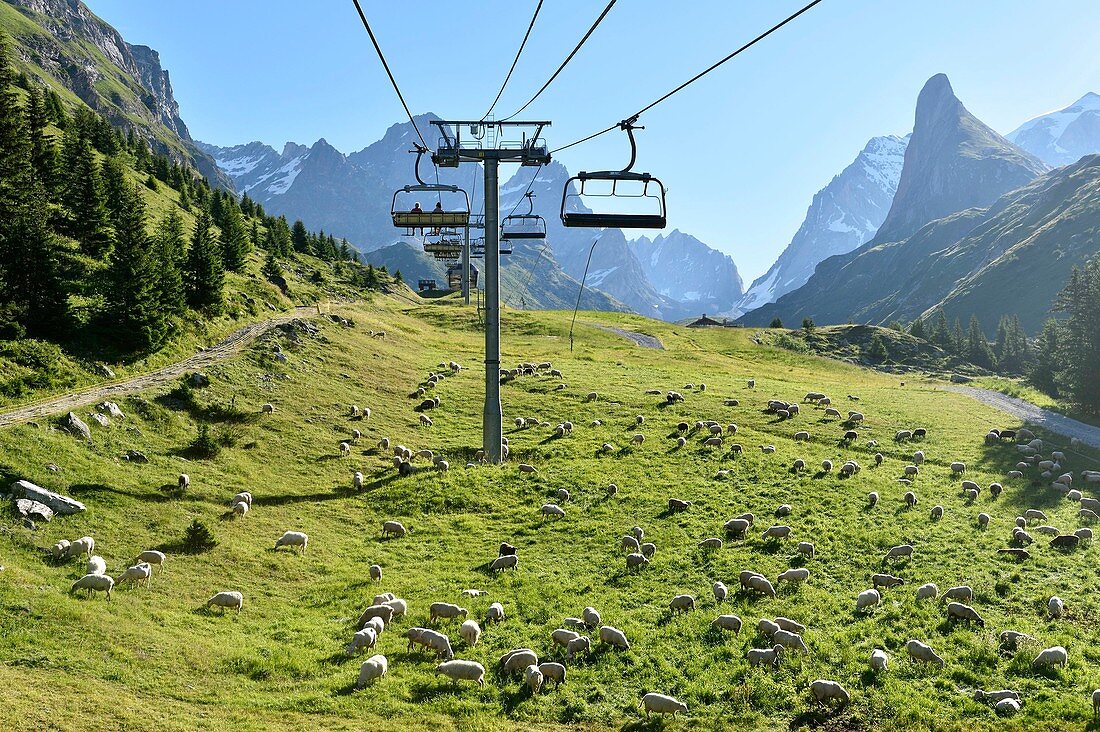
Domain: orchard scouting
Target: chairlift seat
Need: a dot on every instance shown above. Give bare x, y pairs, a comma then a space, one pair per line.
405, 219
605, 219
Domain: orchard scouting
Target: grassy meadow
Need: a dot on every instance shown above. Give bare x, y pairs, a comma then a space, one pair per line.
154, 658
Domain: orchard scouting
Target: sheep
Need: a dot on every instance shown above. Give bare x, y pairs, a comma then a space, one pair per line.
1053, 656
1015, 553
762, 586
459, 670
879, 660
94, 583
957, 468
710, 543
495, 613
292, 539
823, 691
240, 510
384, 611
1011, 475
1048, 530
807, 549
591, 617
362, 640
445, 610
767, 628
242, 497
517, 660
552, 672
614, 638
922, 653
872, 499
383, 597
713, 442
500, 564
790, 639
776, 532
84, 545
937, 512
878, 458
1065, 541
612, 489
438, 642
867, 600
60, 550
737, 527
1095, 694
629, 544
959, 611
552, 509
1056, 607
910, 499
1034, 514
682, 603
636, 560
826, 465
138, 574
470, 632
1007, 707
675, 505
371, 670
375, 572
783, 510
901, 550
918, 457
563, 636
1084, 533
638, 532
583, 644
794, 576
767, 449
96, 565
765, 656
911, 470
995, 696
227, 599
886, 580
393, 528
983, 520
1087, 514
730, 623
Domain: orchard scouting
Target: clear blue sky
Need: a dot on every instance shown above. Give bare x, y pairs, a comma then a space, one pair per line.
742, 151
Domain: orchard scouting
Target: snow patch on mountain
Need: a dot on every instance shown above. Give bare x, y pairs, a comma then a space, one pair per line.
1063, 136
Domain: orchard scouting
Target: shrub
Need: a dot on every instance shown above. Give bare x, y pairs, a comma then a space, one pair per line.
776, 323
198, 538
204, 445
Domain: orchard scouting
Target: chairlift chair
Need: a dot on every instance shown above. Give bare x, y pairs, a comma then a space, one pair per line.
445, 248
615, 184
405, 218
523, 226
454, 276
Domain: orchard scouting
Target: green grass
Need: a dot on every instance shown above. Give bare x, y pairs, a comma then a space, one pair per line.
153, 659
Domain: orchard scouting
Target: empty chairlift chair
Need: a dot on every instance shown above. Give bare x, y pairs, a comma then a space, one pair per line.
521, 226
454, 276
634, 200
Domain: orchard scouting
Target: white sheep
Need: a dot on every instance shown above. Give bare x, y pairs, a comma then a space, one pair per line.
242, 497
533, 678
94, 583
923, 653
500, 564
393, 528
1056, 606
636, 560
399, 606
710, 543
470, 632
517, 660
495, 613
96, 565
776, 532
60, 550
293, 539
240, 509
184, 481
958, 468
552, 672
731, 623
152, 556
824, 691
872, 499
959, 611
1053, 656
762, 586
682, 603
902, 550
84, 545
267, 408
552, 509
138, 574
961, 593
591, 617
807, 549
790, 639
794, 576
662, 703
445, 610
928, 591
879, 660
614, 638
765, 656
227, 599
629, 543
867, 599
459, 670
363, 640
375, 572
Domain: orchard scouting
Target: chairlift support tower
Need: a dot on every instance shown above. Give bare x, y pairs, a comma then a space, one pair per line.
486, 143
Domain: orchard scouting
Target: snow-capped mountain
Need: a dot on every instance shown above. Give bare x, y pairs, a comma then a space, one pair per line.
1062, 137
842, 216
685, 269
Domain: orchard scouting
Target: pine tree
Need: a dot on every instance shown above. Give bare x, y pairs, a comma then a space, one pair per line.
133, 300
83, 197
1043, 373
916, 329
116, 190
957, 338
272, 269
977, 347
204, 275
43, 151
169, 245
185, 198
370, 278
345, 250
876, 351
1080, 346
299, 237
776, 323
235, 241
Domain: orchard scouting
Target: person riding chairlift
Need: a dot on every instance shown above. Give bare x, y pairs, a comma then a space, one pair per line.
417, 210
438, 209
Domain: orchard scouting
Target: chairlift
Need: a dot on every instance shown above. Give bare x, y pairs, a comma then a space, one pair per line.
523, 226
477, 247
448, 247
647, 191
454, 276
412, 218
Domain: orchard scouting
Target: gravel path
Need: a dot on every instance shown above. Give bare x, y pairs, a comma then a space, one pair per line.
641, 339
1031, 414
231, 345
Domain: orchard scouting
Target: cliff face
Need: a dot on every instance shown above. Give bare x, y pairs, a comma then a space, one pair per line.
75, 49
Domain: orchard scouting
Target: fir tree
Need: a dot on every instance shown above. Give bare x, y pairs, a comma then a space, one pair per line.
299, 237
83, 196
43, 151
876, 351
272, 269
977, 348
235, 241
916, 329
115, 188
185, 198
133, 300
169, 255
1043, 372
1080, 342
776, 323
204, 276
958, 341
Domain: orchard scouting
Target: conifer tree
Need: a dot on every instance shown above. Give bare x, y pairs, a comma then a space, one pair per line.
235, 241
1080, 336
299, 237
133, 300
916, 329
204, 276
1043, 372
115, 188
169, 246
83, 196
185, 198
977, 348
958, 341
43, 151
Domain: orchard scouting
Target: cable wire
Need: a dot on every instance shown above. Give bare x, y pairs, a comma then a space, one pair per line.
698, 76
568, 58
386, 66
514, 61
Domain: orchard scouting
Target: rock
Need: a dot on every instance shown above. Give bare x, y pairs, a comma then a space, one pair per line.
112, 409
135, 456
27, 523
104, 370
101, 419
198, 379
53, 468
76, 426
280, 357
28, 509
61, 505
960, 379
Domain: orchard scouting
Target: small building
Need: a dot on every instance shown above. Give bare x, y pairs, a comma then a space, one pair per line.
425, 285
704, 322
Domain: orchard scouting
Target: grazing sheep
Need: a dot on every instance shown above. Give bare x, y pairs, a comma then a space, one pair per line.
992, 697
1053, 656
445, 610
937, 512
611, 490
911, 470
737, 526
638, 532
227, 599
1065, 541
776, 532
1007, 707
983, 520
824, 691
648, 549
96, 565
1015, 553
867, 600
94, 583
663, 704
676, 504
959, 611
384, 611
563, 636
682, 603
872, 499
962, 593
713, 442
711, 543
636, 560
794, 576
789, 639
293, 538
363, 640
470, 632
767, 628
240, 510
928, 591
552, 672
922, 653
629, 544
765, 656
731, 623
902, 550
807, 549
459, 670
886, 580
681, 441
138, 574
880, 662
958, 468
783, 510
495, 613
552, 509
1084, 533
376, 572
371, 670
85, 545
583, 644
1034, 514
762, 586
614, 638
1048, 530
1056, 607
399, 607
826, 465
767, 449
591, 617
1095, 694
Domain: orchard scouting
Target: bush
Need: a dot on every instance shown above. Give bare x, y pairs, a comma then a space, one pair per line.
204, 445
198, 538
184, 394
776, 323
876, 351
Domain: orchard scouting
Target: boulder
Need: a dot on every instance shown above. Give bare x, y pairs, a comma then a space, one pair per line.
135, 456
112, 409
61, 505
960, 379
103, 370
198, 379
100, 418
27, 508
76, 426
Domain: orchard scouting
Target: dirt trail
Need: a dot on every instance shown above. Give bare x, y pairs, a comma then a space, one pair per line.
641, 339
1031, 414
231, 345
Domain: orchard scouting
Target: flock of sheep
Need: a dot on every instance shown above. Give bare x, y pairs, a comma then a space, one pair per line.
577, 635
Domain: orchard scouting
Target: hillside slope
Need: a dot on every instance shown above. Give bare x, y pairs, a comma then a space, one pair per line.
154, 658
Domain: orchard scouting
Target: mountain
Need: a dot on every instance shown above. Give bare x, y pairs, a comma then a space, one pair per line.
953, 162
1062, 137
685, 269
842, 216
954, 167
62, 44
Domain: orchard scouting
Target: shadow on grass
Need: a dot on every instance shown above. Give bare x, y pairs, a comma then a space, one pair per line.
645, 724
92, 489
